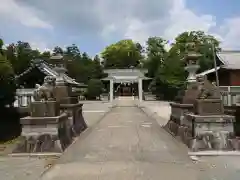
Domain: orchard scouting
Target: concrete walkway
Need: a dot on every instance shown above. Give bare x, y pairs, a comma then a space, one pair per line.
126, 145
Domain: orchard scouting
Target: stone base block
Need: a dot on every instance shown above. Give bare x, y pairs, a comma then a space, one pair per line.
69, 100
44, 134
44, 109
210, 132
178, 110
208, 107
78, 122
213, 132
172, 127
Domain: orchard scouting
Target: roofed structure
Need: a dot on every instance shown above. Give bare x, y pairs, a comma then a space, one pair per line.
229, 59
46, 69
125, 75
226, 60
228, 67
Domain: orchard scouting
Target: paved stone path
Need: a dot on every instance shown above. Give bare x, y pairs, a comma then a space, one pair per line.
21, 168
93, 111
126, 145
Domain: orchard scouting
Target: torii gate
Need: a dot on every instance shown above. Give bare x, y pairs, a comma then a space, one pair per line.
126, 76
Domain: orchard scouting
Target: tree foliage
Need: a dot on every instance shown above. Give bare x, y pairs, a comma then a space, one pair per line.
204, 45
165, 67
170, 74
123, 54
7, 82
95, 88
156, 53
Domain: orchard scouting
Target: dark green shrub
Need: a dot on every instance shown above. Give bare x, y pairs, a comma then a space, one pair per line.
95, 89
7, 83
10, 118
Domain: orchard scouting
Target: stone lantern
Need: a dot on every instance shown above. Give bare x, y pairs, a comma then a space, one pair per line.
191, 60
58, 62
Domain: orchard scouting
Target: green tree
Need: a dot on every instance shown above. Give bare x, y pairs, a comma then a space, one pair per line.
123, 54
170, 76
95, 88
81, 66
1, 46
155, 55
72, 51
72, 57
11, 56
57, 50
204, 44
97, 69
7, 83
20, 56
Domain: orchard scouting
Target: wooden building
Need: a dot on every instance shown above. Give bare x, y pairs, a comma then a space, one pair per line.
228, 68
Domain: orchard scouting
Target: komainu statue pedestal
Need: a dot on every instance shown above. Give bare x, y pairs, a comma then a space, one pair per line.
207, 132
202, 125
44, 134
47, 129
46, 109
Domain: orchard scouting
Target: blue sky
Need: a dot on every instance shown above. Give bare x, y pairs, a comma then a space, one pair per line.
222, 9
93, 24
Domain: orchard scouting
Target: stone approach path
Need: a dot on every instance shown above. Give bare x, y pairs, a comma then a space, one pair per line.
126, 145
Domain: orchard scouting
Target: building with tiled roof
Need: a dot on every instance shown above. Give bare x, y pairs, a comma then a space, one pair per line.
39, 66
228, 68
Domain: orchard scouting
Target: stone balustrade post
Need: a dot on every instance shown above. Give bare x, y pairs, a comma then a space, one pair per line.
111, 90
140, 91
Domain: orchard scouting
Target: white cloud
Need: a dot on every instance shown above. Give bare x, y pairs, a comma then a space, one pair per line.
230, 33
41, 46
111, 20
22, 14
176, 19
183, 19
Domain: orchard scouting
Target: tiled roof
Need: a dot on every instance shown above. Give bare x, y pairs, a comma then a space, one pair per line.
230, 59
47, 70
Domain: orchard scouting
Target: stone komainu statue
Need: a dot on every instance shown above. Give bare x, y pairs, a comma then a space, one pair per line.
46, 91
207, 89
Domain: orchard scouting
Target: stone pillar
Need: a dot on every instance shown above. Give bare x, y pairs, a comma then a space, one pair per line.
140, 94
111, 90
